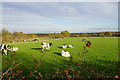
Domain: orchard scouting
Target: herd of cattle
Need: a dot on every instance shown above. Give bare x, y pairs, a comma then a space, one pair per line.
4, 48
63, 53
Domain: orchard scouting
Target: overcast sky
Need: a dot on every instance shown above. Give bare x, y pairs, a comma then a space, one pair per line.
47, 17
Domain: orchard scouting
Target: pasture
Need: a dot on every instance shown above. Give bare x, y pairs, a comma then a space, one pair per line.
103, 51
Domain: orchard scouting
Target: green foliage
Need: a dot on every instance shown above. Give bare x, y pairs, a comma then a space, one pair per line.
109, 34
65, 33
83, 34
51, 36
15, 36
34, 35
55, 36
74, 35
59, 35
102, 34
6, 36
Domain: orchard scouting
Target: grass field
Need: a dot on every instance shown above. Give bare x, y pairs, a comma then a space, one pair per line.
102, 52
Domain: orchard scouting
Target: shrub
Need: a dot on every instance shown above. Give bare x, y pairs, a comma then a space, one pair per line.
55, 36
65, 33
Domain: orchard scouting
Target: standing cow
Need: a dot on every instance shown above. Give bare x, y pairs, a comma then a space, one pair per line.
46, 45
88, 43
4, 48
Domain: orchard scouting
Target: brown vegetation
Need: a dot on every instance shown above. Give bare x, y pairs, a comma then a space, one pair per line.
101, 34
21, 37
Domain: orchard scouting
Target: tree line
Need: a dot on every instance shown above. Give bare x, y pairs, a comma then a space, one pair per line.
100, 34
59, 35
15, 36
20, 36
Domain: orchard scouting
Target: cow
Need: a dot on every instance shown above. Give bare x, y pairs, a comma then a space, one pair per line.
64, 46
46, 45
88, 43
4, 48
13, 49
70, 46
65, 54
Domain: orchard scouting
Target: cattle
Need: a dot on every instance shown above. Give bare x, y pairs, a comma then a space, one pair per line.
65, 54
88, 43
70, 46
13, 48
64, 46
35, 40
46, 45
4, 48
84, 39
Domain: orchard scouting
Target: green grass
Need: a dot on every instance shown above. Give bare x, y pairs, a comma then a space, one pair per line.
102, 51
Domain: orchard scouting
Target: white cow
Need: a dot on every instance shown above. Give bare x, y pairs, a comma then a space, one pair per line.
70, 46
13, 48
65, 54
64, 46
46, 45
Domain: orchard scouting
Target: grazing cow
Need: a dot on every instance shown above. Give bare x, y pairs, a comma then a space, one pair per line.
84, 39
65, 54
4, 48
70, 46
64, 46
46, 45
35, 40
13, 48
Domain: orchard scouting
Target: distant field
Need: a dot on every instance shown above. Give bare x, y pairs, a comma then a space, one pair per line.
42, 38
102, 51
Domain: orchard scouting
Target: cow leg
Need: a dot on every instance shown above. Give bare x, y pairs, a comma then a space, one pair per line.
48, 48
5, 52
42, 48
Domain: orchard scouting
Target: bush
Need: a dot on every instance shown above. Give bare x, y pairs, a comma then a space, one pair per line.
55, 36
15, 36
65, 33
74, 35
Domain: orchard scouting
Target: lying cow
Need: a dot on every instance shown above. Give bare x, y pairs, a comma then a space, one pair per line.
46, 45
64, 46
70, 46
65, 54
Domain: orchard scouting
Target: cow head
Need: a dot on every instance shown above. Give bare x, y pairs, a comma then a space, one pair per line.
51, 44
8, 46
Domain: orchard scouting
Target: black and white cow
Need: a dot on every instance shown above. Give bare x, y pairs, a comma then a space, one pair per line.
46, 45
4, 48
64, 46
13, 49
70, 46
